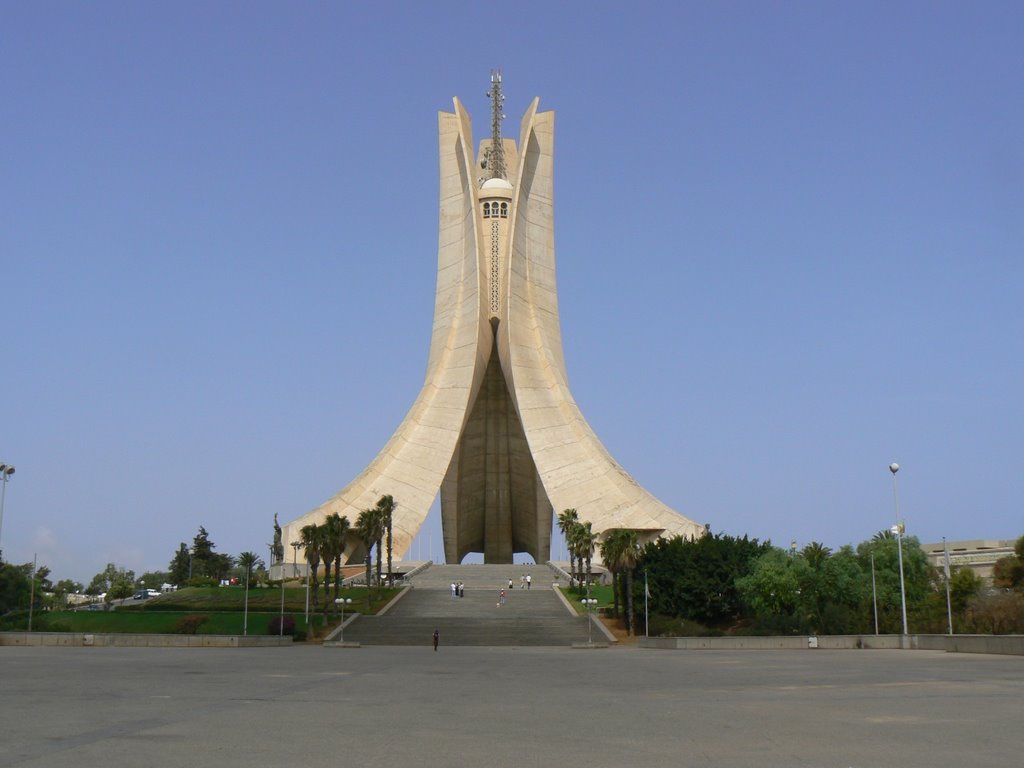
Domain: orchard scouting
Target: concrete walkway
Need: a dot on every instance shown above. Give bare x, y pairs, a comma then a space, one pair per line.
528, 617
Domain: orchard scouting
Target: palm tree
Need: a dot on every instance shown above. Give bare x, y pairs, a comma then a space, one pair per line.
816, 554
629, 558
581, 540
247, 560
611, 553
566, 520
387, 506
586, 542
328, 551
366, 527
337, 527
310, 537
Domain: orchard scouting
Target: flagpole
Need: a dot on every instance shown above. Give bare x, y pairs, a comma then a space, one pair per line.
949, 604
647, 594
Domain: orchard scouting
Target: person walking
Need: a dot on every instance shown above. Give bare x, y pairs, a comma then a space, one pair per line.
437, 636
527, 581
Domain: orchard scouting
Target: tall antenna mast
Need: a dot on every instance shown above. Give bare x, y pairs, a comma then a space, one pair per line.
496, 153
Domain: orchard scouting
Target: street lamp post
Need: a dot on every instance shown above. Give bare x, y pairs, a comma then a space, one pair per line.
342, 601
295, 572
874, 592
245, 615
6, 470
898, 530
590, 602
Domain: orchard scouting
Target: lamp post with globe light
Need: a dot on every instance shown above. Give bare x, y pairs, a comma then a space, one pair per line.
6, 470
590, 603
898, 531
342, 601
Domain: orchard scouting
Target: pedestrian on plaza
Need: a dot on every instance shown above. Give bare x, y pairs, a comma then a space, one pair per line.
527, 581
522, 581
453, 589
437, 636
501, 597
509, 583
460, 589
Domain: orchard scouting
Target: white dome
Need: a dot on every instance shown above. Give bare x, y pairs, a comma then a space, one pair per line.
496, 185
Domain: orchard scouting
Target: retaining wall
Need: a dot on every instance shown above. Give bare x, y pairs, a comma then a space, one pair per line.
142, 640
1001, 644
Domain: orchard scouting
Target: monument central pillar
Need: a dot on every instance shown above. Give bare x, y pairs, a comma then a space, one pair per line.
495, 427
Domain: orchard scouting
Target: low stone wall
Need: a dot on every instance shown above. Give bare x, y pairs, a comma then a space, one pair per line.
89, 640
1000, 644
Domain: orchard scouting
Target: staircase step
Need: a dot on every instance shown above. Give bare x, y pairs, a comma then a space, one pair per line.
528, 617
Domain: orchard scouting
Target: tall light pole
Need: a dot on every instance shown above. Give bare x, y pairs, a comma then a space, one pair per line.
343, 601
898, 530
6, 470
874, 592
295, 573
245, 619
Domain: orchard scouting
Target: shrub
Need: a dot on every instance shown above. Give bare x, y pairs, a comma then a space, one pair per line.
189, 625
274, 627
997, 613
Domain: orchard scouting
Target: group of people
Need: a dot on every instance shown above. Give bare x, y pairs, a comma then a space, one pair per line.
524, 582
458, 589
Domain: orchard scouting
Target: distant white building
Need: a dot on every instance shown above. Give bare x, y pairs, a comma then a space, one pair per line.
980, 555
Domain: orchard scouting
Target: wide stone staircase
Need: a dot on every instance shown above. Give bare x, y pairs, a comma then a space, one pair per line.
528, 617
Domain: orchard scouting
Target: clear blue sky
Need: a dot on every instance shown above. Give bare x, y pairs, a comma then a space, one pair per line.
789, 240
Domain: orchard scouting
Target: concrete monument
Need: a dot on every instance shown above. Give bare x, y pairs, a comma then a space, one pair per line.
495, 428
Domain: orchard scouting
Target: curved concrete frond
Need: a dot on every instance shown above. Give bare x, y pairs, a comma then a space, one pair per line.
495, 428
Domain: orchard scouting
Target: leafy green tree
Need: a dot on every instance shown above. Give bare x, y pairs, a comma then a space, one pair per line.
917, 577
180, 566
695, 579
1009, 571
116, 583
773, 588
122, 585
15, 586
154, 579
206, 562
964, 585
67, 587
811, 591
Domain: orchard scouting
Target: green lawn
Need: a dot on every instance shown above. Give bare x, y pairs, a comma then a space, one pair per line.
603, 594
265, 599
205, 611
156, 622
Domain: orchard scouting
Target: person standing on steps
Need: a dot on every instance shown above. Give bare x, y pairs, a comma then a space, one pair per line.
527, 581
509, 583
437, 636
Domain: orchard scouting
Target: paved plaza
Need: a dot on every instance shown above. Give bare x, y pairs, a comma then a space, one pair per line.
471, 706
